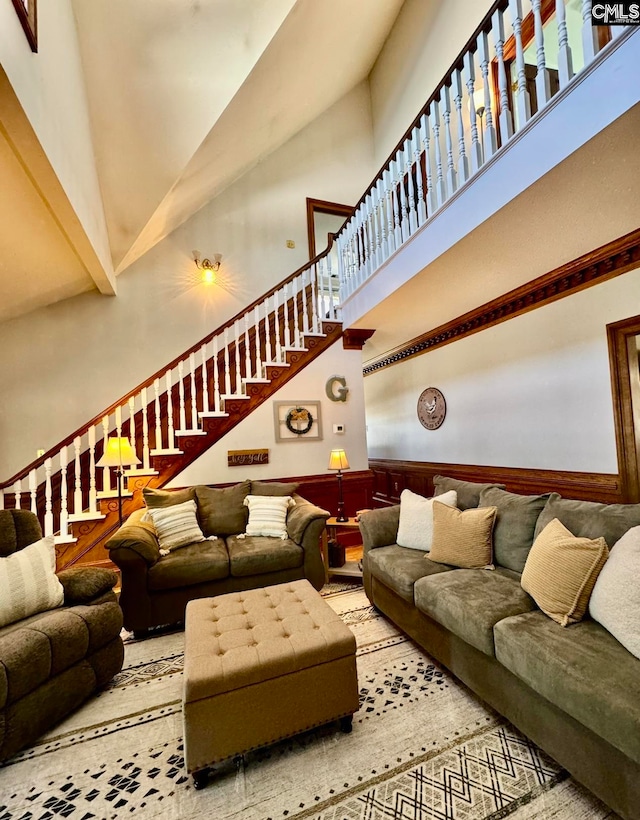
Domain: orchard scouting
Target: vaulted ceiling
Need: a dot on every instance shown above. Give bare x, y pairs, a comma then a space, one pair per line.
184, 98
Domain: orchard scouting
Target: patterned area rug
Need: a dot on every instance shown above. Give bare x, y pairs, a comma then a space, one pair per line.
422, 748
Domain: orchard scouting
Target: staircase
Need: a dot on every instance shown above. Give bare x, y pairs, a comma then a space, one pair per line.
177, 414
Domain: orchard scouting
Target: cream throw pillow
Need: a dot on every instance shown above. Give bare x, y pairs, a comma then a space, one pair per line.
415, 529
28, 582
268, 515
615, 600
176, 525
463, 538
561, 570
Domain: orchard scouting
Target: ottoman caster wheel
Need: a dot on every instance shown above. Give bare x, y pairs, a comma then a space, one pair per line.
200, 779
346, 724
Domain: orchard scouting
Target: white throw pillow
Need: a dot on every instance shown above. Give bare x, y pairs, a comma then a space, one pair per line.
28, 582
268, 515
615, 600
416, 518
176, 525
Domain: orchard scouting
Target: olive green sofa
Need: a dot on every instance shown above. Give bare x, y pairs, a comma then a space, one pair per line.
155, 588
574, 691
52, 661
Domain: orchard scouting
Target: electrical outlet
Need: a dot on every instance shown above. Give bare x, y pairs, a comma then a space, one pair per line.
290, 243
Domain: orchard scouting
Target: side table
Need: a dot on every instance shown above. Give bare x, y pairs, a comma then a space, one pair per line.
350, 569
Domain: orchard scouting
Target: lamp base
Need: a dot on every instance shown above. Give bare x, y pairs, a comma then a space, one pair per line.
341, 518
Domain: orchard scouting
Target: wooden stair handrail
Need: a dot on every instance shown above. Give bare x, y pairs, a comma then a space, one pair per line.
53, 451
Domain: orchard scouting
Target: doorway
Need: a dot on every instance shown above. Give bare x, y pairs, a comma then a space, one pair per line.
624, 358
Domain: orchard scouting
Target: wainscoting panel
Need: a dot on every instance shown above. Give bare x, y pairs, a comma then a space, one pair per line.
391, 477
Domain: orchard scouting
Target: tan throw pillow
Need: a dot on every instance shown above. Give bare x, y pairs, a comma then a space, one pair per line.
561, 570
28, 582
176, 525
462, 538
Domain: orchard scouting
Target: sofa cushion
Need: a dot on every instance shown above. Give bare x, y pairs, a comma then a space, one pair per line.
166, 498
462, 538
515, 524
28, 583
82, 584
256, 555
399, 568
468, 491
221, 510
615, 600
470, 603
582, 670
561, 570
18, 528
415, 528
193, 564
274, 487
589, 518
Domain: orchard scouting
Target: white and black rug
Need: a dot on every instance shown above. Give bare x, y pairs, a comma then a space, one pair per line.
422, 748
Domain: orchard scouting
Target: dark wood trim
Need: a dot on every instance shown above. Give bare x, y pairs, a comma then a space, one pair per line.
29, 21
354, 338
391, 477
323, 206
621, 337
606, 262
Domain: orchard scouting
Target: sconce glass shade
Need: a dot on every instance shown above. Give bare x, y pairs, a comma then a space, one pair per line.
338, 460
118, 453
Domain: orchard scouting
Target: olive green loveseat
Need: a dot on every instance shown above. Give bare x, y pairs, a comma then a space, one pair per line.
575, 691
156, 588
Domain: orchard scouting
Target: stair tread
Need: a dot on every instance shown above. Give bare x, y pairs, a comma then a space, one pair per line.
85, 516
171, 452
66, 539
257, 381
234, 396
190, 433
213, 414
295, 347
277, 364
102, 494
132, 473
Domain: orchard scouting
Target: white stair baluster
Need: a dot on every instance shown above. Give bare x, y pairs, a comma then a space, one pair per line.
2, 507
258, 342
388, 196
296, 313
33, 490
285, 314
377, 232
332, 303
421, 210
452, 179
171, 442
106, 472
362, 252
17, 489
48, 500
490, 139
543, 87
431, 201
132, 423
404, 205
118, 417
506, 121
317, 327
463, 162
64, 510
276, 327
305, 305
205, 379
158, 441
227, 368
183, 415
237, 390
383, 252
77, 493
589, 33
93, 492
194, 393
441, 191
470, 77
523, 103
565, 59
247, 349
411, 192
268, 352
397, 205
216, 377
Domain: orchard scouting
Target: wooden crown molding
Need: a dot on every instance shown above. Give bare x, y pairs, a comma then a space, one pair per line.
606, 262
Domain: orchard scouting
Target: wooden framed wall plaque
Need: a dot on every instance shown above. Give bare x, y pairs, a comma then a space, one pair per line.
432, 408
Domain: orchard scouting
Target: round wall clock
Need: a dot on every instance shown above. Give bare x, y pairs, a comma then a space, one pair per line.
432, 408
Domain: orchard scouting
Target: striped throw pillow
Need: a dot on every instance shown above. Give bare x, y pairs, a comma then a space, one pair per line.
28, 582
268, 515
176, 526
561, 570
463, 538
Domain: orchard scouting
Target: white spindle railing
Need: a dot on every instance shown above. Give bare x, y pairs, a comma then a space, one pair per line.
473, 113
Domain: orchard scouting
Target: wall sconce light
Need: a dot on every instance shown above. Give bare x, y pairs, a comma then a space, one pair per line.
208, 267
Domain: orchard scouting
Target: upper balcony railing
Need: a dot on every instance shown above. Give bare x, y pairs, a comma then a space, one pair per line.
521, 55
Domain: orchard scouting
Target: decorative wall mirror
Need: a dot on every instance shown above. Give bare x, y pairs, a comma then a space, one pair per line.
28, 14
324, 218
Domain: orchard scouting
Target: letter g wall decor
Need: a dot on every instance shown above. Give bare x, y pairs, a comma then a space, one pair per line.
336, 393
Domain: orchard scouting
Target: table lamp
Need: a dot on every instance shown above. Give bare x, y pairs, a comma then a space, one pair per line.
118, 453
338, 461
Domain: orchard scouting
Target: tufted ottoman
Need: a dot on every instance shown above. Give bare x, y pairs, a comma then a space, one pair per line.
260, 666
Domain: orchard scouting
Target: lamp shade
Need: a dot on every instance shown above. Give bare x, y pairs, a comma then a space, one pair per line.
117, 453
338, 460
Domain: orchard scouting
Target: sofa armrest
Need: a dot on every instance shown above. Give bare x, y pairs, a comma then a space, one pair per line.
86, 585
301, 517
134, 536
379, 528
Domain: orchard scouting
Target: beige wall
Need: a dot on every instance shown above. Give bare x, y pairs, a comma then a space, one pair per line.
534, 391
66, 363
